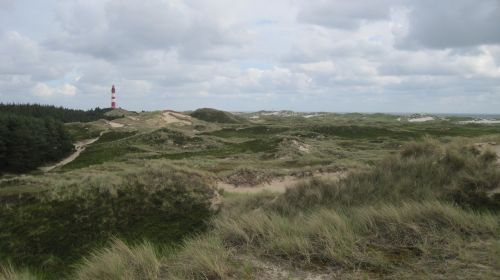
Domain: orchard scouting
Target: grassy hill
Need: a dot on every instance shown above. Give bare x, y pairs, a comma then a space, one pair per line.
216, 116
119, 112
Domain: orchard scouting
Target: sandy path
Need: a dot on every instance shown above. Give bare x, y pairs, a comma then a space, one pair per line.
278, 185
80, 146
114, 124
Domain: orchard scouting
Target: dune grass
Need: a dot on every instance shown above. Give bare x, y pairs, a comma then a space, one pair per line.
8, 272
422, 170
429, 211
120, 261
378, 224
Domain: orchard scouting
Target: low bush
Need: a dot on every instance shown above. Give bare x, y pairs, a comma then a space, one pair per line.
54, 229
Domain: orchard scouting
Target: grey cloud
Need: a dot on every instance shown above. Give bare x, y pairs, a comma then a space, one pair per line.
5, 4
23, 56
316, 55
452, 24
117, 29
344, 14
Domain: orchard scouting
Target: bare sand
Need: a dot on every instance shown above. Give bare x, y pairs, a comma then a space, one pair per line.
278, 185
114, 124
421, 119
483, 121
173, 117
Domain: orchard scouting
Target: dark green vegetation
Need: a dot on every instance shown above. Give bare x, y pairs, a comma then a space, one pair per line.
32, 134
419, 201
216, 116
48, 231
58, 113
27, 142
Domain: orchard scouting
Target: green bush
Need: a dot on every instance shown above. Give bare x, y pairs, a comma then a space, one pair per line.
216, 116
54, 229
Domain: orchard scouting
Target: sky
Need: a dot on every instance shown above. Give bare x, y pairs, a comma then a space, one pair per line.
249, 55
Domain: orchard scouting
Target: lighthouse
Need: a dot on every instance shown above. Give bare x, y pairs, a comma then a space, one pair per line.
113, 97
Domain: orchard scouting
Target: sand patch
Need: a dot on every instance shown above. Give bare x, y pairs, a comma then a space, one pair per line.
278, 185
312, 116
421, 119
173, 117
483, 121
114, 124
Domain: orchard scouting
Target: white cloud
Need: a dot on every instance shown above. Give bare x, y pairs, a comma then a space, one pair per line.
43, 90
358, 55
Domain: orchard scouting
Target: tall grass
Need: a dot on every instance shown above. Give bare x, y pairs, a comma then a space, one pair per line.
120, 261
422, 170
344, 237
427, 212
8, 272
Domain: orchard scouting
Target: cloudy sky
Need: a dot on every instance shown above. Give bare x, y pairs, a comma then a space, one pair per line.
247, 55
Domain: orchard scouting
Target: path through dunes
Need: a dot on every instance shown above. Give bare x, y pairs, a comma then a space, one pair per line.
80, 146
278, 185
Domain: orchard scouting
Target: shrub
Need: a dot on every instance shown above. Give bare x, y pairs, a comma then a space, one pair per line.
426, 147
216, 116
54, 229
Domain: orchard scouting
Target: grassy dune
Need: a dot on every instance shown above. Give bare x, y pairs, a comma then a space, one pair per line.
49, 231
137, 204
429, 212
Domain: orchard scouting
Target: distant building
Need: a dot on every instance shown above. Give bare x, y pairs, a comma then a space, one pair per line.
113, 97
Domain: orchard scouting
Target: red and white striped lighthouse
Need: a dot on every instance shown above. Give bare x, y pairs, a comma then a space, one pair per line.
113, 97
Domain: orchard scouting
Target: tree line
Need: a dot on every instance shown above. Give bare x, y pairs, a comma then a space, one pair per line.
33, 134
58, 113
27, 142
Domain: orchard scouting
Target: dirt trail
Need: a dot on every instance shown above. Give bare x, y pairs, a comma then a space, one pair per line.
278, 185
80, 146
114, 124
